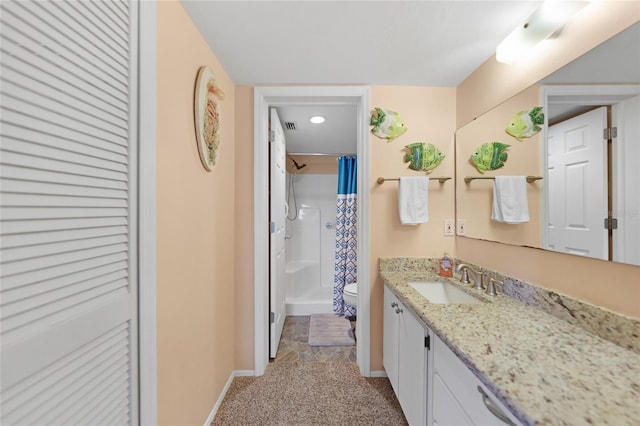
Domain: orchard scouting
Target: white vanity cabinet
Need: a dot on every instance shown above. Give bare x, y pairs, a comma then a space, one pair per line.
405, 355
459, 398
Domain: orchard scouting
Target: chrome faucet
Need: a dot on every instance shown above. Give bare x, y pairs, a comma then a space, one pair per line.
466, 270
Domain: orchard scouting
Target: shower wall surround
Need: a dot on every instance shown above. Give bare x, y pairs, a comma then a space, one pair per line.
310, 243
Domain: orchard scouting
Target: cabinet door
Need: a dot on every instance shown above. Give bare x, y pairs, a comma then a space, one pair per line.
482, 407
446, 410
412, 377
390, 338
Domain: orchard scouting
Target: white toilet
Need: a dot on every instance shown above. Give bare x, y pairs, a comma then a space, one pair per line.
350, 294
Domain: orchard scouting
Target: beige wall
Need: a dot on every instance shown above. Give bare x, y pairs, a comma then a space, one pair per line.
316, 164
245, 318
611, 285
195, 231
429, 114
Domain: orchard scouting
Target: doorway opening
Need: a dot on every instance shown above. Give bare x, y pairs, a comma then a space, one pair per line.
280, 97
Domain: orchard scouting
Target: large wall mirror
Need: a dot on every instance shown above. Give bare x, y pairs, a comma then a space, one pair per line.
583, 194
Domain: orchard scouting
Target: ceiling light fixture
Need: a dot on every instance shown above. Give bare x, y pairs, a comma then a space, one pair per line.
317, 119
544, 23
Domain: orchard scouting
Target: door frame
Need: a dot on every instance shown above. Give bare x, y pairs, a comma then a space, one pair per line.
147, 335
600, 94
265, 97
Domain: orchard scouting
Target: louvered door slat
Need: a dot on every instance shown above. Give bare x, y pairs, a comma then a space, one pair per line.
17, 300
106, 399
22, 266
10, 185
30, 213
68, 212
58, 386
19, 140
90, 44
34, 239
28, 311
25, 120
103, 19
37, 110
28, 252
121, 13
70, 166
84, 389
59, 49
23, 200
71, 282
95, 34
73, 111
25, 82
60, 310
59, 80
47, 52
25, 393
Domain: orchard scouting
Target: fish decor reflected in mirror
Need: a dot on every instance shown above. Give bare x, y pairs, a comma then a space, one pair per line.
490, 156
386, 124
526, 123
423, 156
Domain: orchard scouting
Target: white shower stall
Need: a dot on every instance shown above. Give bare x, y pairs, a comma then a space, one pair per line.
310, 243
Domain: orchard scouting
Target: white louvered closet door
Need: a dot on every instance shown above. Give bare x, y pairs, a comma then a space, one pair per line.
68, 277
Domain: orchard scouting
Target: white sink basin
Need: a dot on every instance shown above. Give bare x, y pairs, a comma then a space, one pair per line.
442, 292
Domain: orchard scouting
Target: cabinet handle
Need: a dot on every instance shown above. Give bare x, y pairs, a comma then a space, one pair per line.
398, 310
493, 408
394, 304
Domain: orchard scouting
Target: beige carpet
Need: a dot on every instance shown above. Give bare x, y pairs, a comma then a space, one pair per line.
330, 330
318, 393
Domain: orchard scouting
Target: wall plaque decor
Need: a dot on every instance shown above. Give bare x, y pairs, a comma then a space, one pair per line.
423, 156
207, 116
386, 124
490, 156
525, 123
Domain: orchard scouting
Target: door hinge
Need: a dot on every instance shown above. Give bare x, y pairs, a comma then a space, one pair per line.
610, 223
427, 342
610, 133
272, 135
272, 317
272, 227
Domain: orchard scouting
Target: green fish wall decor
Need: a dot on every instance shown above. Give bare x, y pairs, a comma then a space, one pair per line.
526, 123
386, 124
423, 156
490, 156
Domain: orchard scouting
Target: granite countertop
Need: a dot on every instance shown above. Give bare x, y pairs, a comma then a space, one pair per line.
545, 370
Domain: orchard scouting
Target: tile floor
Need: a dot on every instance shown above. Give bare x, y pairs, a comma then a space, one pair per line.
294, 345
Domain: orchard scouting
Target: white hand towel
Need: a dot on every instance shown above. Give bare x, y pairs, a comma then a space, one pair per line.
413, 199
510, 203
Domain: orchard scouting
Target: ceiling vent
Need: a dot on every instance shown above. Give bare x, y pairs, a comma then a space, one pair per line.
290, 125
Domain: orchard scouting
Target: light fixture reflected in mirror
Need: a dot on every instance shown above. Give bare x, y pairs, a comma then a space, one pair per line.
544, 23
317, 119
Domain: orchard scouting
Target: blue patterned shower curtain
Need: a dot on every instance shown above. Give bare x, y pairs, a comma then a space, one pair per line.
346, 257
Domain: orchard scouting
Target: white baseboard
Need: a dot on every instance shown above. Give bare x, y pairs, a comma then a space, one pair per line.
380, 373
235, 373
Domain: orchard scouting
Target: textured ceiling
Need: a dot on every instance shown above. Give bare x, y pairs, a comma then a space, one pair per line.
425, 43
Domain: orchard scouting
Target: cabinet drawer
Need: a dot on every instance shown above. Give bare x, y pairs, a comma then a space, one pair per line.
463, 385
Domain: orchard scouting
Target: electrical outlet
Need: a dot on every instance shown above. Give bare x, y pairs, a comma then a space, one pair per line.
449, 227
461, 227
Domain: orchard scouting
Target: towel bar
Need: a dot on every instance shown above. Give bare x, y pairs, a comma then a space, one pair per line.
441, 179
470, 178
